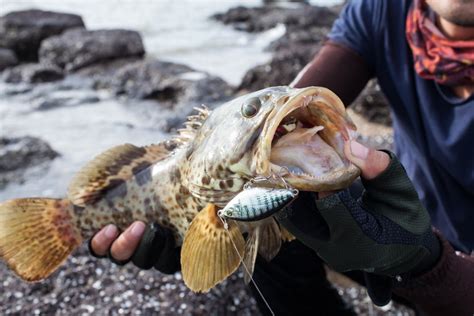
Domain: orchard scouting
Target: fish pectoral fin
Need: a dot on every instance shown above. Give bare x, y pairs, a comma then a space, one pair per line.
286, 235
250, 256
111, 168
270, 239
265, 240
36, 236
209, 252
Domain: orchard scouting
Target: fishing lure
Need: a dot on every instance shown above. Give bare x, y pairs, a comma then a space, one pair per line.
255, 203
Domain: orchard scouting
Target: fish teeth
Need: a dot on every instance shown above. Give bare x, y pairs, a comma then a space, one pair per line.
289, 127
302, 173
293, 171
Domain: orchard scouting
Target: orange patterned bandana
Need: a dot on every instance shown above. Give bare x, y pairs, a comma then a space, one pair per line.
436, 57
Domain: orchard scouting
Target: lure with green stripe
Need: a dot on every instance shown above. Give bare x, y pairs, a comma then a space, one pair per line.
257, 203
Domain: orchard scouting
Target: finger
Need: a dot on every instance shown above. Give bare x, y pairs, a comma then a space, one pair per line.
101, 242
125, 245
370, 161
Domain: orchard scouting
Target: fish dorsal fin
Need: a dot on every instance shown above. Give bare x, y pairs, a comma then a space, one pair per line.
192, 125
270, 239
209, 252
250, 255
113, 167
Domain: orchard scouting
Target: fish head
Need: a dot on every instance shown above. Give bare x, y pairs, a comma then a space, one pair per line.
220, 155
296, 133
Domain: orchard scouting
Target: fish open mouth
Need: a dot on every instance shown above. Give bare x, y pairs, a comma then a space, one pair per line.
303, 140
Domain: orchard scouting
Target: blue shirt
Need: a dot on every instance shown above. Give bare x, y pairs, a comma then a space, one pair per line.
434, 130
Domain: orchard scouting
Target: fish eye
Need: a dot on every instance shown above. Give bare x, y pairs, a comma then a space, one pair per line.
251, 107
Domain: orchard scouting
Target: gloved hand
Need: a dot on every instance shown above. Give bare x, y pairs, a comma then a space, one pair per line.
386, 232
146, 247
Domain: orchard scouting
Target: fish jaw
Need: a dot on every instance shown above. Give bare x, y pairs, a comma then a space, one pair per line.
325, 126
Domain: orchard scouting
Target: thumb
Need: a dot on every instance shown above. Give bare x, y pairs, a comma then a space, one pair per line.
370, 161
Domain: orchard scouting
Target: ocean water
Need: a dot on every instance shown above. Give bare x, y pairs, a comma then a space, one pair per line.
173, 30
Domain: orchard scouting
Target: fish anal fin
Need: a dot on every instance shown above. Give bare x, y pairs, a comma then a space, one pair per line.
208, 255
270, 239
111, 168
36, 235
250, 256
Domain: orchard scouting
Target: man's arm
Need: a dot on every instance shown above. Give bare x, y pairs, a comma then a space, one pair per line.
447, 289
337, 68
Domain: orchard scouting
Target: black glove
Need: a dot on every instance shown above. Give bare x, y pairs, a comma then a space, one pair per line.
156, 249
386, 232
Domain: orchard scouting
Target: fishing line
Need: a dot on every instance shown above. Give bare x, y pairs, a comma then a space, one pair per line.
226, 227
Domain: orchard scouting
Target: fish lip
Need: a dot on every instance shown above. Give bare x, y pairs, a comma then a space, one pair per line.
337, 179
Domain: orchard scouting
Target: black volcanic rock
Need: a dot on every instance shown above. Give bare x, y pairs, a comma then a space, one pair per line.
66, 98
151, 79
23, 31
281, 70
373, 105
23, 152
77, 48
263, 18
306, 28
101, 74
175, 88
18, 154
299, 39
168, 83
33, 73
7, 58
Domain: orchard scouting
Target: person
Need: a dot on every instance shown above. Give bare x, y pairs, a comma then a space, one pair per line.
422, 53
387, 234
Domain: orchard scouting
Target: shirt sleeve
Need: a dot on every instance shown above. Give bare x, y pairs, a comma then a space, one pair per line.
448, 289
359, 27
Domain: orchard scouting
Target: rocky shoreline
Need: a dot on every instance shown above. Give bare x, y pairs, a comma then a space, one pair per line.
54, 61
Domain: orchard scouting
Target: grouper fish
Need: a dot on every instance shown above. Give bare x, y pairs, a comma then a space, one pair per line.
183, 182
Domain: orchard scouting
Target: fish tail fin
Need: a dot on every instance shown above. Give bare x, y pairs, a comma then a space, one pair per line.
209, 252
36, 235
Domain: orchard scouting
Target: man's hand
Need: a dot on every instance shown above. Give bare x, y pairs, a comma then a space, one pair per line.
146, 246
387, 231
121, 248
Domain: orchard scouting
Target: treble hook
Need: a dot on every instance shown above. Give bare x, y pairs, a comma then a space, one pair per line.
255, 180
279, 176
274, 177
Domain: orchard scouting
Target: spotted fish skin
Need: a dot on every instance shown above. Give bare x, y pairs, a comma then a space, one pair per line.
258, 203
154, 194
